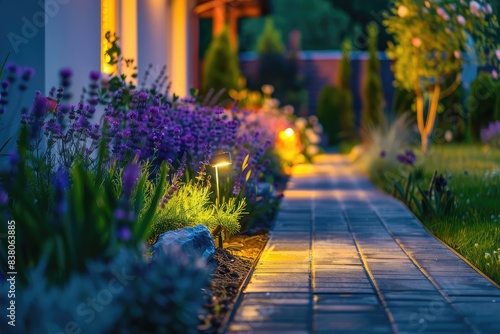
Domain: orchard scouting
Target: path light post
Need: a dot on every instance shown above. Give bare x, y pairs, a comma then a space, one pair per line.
220, 159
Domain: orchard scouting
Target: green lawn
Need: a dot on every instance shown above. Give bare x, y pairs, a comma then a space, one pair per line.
473, 229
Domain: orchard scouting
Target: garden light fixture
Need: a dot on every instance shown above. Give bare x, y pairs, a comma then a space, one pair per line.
220, 159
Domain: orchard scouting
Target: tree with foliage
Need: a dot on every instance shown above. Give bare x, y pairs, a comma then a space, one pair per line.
372, 113
220, 67
429, 40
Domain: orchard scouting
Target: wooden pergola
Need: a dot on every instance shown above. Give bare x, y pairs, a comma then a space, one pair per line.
222, 11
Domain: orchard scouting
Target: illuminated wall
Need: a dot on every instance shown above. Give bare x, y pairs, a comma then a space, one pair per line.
127, 10
180, 46
108, 25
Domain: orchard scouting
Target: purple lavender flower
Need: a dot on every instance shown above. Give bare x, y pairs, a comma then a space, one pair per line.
408, 158
129, 179
4, 197
12, 72
383, 154
124, 233
28, 73
66, 73
95, 75
14, 158
61, 183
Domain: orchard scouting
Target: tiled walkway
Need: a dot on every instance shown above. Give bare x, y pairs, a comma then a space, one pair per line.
345, 258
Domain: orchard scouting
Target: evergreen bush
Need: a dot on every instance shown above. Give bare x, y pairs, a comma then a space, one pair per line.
371, 115
220, 66
345, 102
480, 104
327, 112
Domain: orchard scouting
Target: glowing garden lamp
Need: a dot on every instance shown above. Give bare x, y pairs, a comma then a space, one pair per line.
220, 160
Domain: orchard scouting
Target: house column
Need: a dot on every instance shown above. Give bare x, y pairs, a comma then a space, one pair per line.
180, 47
128, 38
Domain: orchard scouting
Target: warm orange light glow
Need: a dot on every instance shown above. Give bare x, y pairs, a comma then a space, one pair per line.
108, 23
180, 37
128, 38
287, 135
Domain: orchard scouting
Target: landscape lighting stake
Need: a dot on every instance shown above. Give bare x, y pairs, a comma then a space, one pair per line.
220, 160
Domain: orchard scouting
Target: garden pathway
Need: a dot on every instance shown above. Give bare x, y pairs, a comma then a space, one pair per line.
343, 257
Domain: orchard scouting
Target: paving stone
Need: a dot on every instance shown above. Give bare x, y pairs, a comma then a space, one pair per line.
335, 233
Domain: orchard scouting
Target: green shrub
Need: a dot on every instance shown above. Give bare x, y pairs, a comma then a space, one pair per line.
272, 60
371, 115
344, 95
84, 214
480, 104
270, 41
220, 66
328, 113
129, 294
450, 117
402, 101
496, 112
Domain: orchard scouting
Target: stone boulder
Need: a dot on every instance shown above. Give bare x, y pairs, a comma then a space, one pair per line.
196, 242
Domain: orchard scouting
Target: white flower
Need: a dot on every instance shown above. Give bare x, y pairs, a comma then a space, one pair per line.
312, 136
267, 89
403, 11
448, 135
312, 150
475, 7
487, 255
300, 123
461, 20
497, 52
494, 74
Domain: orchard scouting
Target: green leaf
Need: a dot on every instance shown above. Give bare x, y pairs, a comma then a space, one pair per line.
140, 229
3, 65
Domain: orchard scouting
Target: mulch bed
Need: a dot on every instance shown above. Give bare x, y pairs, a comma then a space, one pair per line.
231, 266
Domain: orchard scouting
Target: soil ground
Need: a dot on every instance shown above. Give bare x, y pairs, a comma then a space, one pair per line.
231, 266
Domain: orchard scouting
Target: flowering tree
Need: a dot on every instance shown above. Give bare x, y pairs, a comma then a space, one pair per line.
430, 38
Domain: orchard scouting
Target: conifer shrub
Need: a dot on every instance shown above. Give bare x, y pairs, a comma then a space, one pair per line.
328, 112
371, 115
220, 66
480, 104
344, 95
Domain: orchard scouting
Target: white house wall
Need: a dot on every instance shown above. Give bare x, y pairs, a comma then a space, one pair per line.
72, 39
152, 28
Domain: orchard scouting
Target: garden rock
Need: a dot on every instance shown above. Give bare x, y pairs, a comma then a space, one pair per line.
194, 241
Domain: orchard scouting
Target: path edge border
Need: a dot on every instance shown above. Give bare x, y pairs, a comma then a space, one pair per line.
495, 284
230, 315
